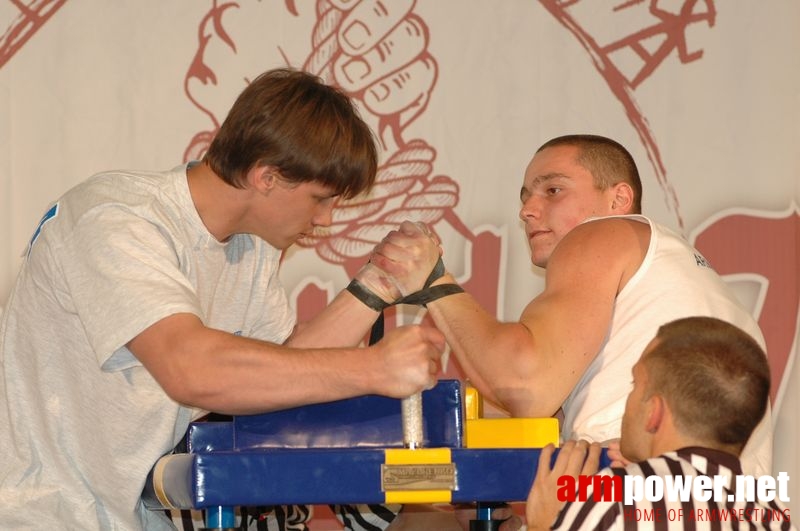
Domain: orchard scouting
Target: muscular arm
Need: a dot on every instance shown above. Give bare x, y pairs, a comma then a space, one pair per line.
530, 366
217, 371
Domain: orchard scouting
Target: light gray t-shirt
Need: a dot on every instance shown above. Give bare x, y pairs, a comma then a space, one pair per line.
81, 421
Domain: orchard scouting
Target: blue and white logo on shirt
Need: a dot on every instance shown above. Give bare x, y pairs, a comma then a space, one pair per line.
50, 214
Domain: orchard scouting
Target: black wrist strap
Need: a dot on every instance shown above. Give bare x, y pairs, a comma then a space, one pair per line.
430, 294
438, 272
366, 296
419, 298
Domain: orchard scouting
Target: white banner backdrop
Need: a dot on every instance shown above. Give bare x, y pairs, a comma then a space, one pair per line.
705, 95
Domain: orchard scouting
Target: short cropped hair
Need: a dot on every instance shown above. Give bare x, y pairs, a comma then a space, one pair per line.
308, 130
607, 160
713, 375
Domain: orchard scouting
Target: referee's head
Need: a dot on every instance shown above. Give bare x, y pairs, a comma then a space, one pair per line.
707, 378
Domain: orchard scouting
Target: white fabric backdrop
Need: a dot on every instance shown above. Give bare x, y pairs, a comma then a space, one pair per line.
708, 107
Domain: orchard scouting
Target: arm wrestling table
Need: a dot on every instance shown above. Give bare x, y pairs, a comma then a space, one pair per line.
351, 452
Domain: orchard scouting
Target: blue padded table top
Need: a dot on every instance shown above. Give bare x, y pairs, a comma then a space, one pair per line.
363, 422
347, 476
339, 453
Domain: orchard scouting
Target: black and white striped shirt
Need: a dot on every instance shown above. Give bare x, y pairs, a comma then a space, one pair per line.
691, 514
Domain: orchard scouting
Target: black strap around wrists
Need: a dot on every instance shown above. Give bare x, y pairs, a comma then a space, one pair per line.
420, 298
430, 294
366, 296
437, 273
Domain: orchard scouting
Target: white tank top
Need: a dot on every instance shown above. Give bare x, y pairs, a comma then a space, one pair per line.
673, 281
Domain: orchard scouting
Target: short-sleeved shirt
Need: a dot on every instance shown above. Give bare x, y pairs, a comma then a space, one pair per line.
82, 420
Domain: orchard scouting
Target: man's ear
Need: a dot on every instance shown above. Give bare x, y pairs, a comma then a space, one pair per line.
262, 179
622, 200
656, 409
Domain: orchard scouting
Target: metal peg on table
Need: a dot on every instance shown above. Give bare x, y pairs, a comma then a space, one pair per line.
410, 407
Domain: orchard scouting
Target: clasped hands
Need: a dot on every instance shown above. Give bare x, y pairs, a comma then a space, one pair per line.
404, 263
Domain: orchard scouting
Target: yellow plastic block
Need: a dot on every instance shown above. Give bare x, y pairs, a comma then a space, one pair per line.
426, 466
511, 432
419, 496
473, 403
417, 456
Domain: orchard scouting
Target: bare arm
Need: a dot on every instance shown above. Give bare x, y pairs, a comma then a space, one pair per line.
217, 371
343, 323
530, 366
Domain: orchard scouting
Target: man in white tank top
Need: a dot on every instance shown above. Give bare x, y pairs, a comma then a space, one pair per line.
612, 278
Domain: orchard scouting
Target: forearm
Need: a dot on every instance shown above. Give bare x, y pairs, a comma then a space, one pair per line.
343, 323
226, 373
218, 371
512, 364
269, 377
497, 357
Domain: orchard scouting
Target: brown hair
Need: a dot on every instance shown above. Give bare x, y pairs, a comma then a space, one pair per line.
607, 160
714, 377
308, 130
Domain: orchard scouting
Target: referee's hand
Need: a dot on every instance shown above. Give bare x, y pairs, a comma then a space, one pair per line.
575, 458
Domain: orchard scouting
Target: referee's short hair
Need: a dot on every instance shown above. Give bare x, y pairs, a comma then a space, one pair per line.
713, 375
